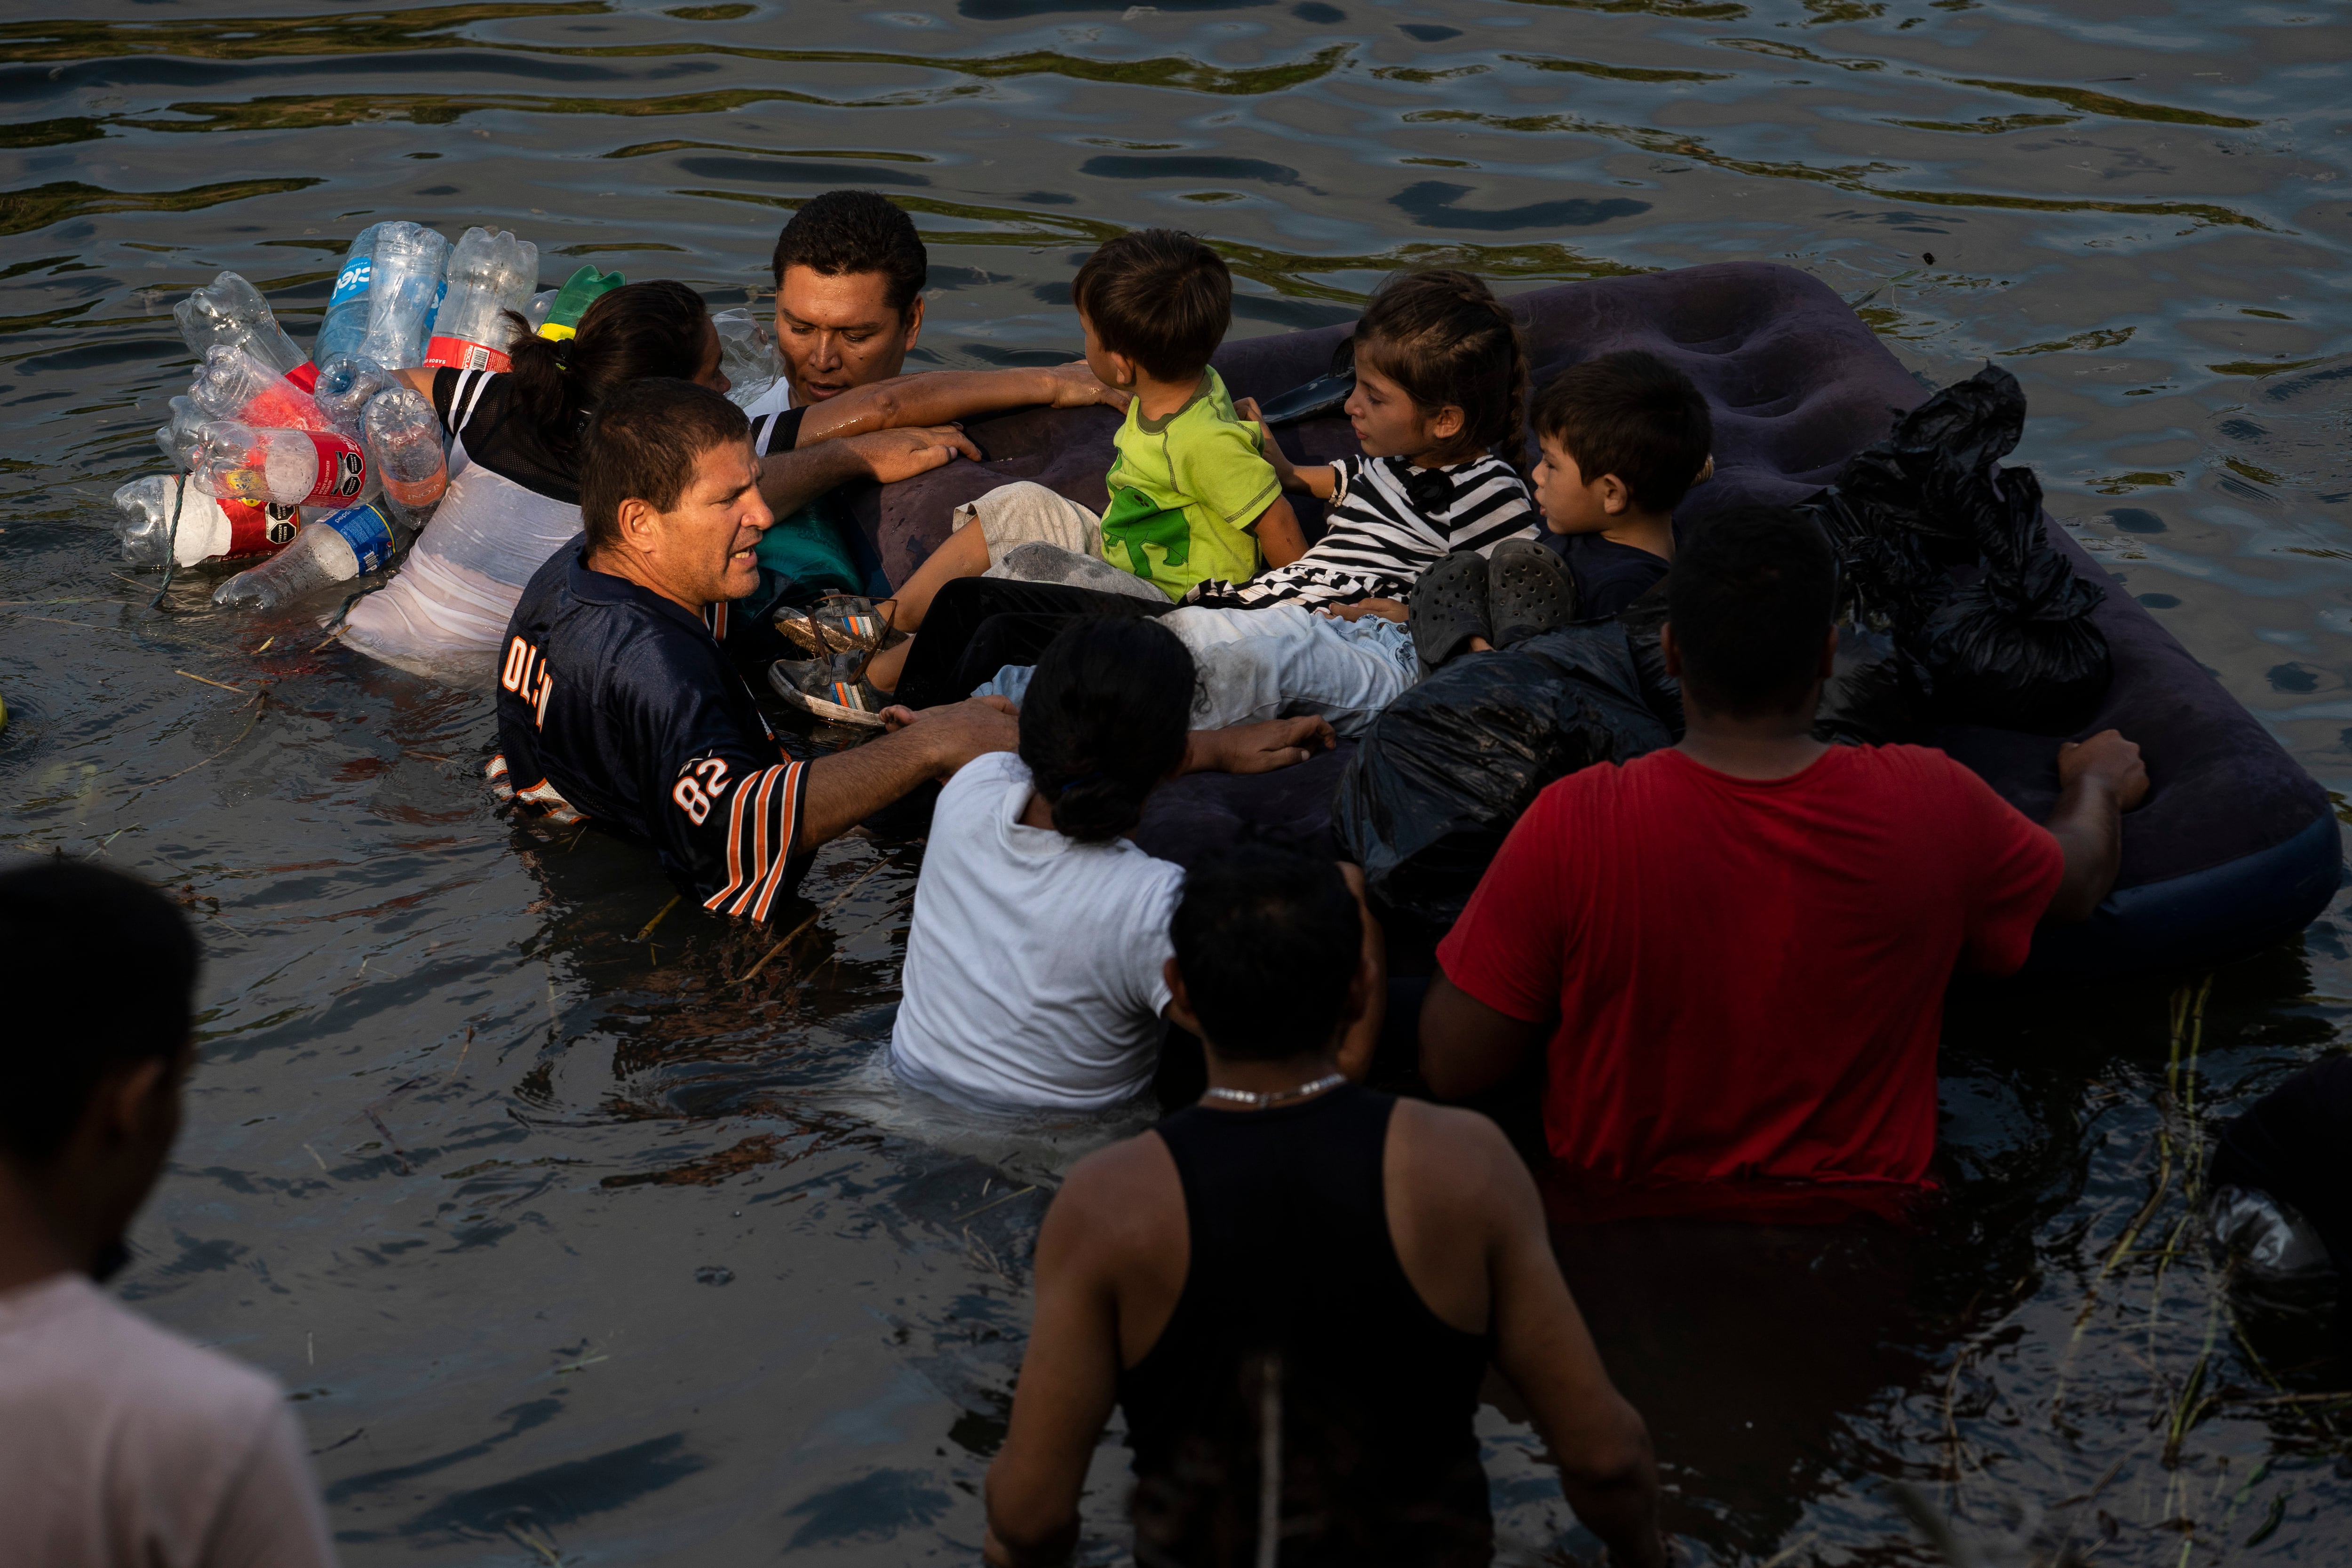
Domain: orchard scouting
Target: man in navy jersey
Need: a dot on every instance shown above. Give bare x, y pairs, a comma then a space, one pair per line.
616, 703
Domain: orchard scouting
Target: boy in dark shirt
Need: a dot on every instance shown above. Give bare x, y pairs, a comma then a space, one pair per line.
1623, 436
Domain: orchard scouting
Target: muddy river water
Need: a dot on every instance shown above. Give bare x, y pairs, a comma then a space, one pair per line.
577, 1241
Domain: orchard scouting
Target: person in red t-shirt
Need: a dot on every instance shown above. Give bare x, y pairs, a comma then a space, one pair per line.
1738, 948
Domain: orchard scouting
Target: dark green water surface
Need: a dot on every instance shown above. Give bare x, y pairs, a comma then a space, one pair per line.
579, 1242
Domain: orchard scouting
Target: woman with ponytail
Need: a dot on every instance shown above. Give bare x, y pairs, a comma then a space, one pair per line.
1033, 965
514, 459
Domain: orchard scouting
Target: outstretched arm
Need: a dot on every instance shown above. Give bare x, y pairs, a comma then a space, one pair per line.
845, 789
2099, 780
1599, 1441
944, 396
790, 480
1320, 480
1070, 1374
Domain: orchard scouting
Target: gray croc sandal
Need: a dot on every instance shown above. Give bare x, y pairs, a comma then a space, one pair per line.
1449, 608
1529, 591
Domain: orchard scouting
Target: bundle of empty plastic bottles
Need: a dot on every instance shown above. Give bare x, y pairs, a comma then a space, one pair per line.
327, 464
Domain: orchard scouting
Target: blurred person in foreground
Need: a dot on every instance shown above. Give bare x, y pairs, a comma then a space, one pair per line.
120, 1444
1301, 1271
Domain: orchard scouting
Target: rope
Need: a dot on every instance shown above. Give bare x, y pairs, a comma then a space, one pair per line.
172, 539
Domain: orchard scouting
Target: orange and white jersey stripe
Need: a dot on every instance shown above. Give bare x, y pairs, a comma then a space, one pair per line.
762, 821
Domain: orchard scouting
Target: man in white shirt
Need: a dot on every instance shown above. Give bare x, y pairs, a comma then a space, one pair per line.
121, 1446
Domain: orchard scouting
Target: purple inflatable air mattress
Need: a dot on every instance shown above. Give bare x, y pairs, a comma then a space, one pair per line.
2237, 846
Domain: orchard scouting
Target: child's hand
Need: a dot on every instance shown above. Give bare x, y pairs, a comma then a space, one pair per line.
1387, 609
1284, 468
1074, 385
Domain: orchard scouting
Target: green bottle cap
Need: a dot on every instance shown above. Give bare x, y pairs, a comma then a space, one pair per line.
571, 302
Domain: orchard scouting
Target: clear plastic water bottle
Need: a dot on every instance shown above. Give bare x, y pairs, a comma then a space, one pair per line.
405, 278
346, 384
747, 355
297, 467
203, 529
404, 448
488, 275
232, 384
231, 310
346, 323
177, 434
534, 314
335, 549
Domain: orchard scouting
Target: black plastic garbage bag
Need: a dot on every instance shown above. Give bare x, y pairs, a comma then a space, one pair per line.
1932, 477
2016, 648
2007, 642
2291, 1143
1870, 698
1447, 768
1661, 693
1885, 576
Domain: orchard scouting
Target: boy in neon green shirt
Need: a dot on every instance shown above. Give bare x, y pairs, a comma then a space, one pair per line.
1186, 492
1192, 497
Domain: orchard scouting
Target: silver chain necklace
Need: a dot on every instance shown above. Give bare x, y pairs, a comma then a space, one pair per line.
1256, 1102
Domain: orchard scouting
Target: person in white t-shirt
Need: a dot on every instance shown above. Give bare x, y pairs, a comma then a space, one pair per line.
121, 1446
1033, 975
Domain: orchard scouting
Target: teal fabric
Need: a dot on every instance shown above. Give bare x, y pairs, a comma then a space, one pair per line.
810, 552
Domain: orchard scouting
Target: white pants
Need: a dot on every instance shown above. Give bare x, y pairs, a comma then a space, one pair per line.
1277, 663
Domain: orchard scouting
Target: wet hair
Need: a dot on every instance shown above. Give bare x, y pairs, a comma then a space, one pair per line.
1632, 414
627, 334
99, 971
1268, 943
1444, 338
1160, 296
1751, 600
856, 231
1105, 720
643, 444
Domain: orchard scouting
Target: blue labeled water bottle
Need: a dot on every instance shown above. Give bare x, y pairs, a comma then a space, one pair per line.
346, 324
335, 549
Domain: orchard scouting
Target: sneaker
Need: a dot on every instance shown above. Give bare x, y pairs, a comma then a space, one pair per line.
842, 623
815, 687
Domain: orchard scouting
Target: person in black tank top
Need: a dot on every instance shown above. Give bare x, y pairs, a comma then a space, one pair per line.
1293, 1292
1295, 1287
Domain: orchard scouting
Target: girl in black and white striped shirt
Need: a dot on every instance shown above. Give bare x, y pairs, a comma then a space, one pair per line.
1441, 387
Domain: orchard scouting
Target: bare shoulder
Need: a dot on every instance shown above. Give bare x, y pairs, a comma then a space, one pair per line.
1123, 1170
1118, 1197
1458, 1157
